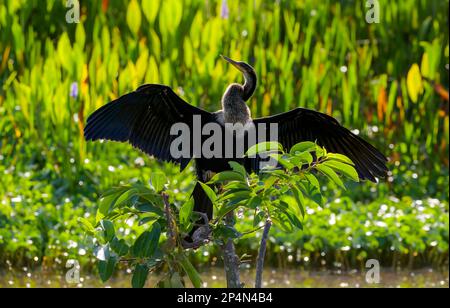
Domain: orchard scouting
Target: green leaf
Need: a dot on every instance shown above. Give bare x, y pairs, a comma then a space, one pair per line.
150, 8
300, 199
259, 218
264, 147
106, 268
282, 221
107, 202
186, 212
145, 246
312, 180
303, 158
414, 83
238, 168
301, 147
340, 157
236, 196
108, 229
148, 218
283, 161
190, 271
87, 226
158, 181
134, 16
149, 208
227, 176
343, 168
128, 198
209, 192
140, 275
330, 174
254, 202
119, 246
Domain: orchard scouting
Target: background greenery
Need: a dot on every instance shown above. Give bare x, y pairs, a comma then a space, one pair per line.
389, 81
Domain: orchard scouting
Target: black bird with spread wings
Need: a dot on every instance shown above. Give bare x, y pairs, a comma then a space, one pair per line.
144, 118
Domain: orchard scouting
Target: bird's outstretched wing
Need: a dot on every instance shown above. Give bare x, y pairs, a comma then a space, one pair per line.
144, 118
306, 125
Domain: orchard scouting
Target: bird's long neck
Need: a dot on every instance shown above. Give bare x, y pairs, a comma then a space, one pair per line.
249, 85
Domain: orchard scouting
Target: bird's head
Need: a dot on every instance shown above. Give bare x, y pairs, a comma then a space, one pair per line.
249, 75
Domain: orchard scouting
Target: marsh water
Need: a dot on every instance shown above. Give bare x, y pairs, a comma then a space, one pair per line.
214, 278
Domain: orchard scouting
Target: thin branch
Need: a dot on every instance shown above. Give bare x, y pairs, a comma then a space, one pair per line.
262, 254
171, 233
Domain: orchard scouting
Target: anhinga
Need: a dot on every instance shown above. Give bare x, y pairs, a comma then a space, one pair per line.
144, 119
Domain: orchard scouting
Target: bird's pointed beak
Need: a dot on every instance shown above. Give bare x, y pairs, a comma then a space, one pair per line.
232, 62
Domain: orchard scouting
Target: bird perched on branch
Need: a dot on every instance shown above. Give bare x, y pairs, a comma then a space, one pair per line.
145, 118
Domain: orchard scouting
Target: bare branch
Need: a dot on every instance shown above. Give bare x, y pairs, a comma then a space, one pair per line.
262, 254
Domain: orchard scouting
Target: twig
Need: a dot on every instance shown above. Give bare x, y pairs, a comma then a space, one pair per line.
262, 254
170, 227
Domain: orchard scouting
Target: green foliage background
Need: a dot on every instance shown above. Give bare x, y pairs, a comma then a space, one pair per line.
388, 80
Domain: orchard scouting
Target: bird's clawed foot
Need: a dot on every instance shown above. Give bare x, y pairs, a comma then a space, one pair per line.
200, 237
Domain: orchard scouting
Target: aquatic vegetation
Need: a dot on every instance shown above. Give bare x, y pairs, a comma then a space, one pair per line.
388, 80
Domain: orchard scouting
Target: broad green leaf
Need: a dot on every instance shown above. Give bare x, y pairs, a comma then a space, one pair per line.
282, 221
87, 226
106, 268
235, 196
109, 199
283, 161
186, 212
128, 198
190, 271
149, 208
145, 246
301, 159
158, 181
264, 147
340, 157
209, 192
227, 176
254, 202
301, 147
343, 168
140, 275
238, 168
119, 246
313, 180
298, 195
108, 229
330, 174
148, 218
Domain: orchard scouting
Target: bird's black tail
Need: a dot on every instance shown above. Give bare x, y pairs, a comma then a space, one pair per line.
202, 204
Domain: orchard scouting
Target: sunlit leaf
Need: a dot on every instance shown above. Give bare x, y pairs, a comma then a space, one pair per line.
134, 16
414, 83
331, 175
145, 246
343, 168
264, 147
227, 176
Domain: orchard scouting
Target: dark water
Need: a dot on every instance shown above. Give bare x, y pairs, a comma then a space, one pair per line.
426, 278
